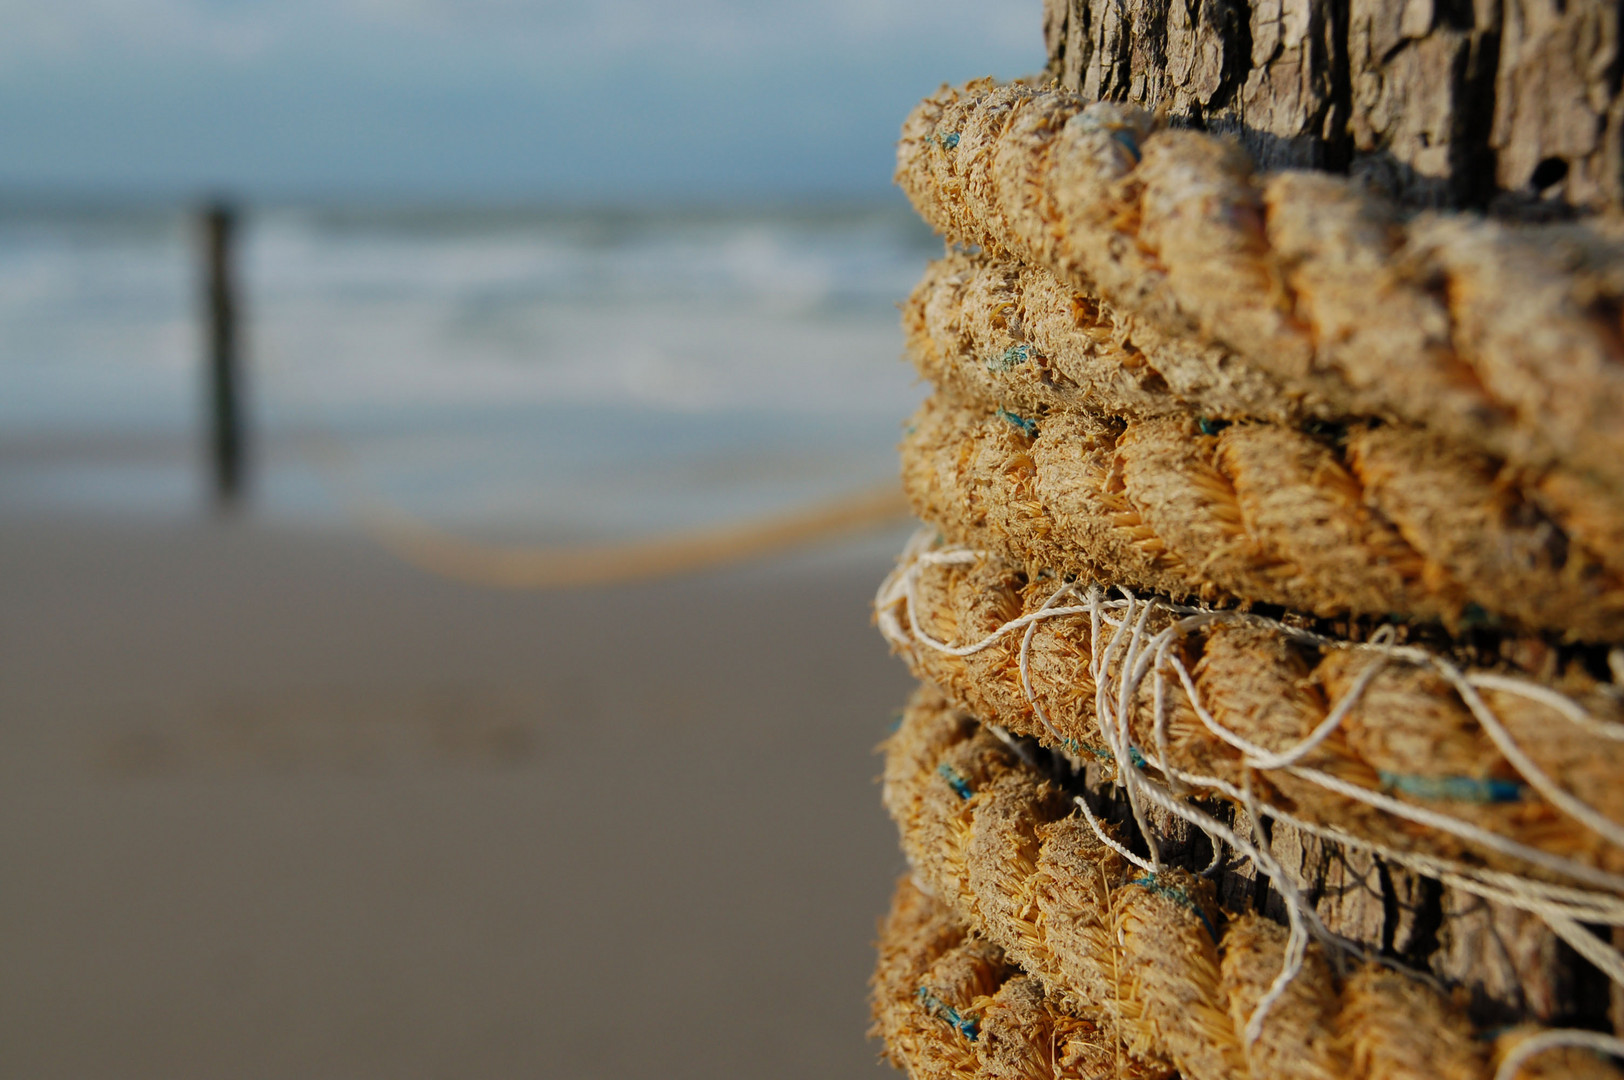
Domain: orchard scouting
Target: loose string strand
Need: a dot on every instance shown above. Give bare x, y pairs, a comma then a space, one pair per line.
1553, 1040
1563, 908
1113, 725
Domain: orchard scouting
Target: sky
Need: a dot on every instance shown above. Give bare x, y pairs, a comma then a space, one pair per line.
595, 101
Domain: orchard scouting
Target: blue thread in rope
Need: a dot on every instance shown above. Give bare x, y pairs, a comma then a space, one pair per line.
950, 141
1011, 358
1028, 427
1180, 897
966, 1025
1103, 754
1081, 748
961, 787
1128, 143
1456, 788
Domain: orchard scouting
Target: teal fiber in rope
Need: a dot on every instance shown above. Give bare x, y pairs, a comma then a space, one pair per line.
1180, 897
1455, 788
1011, 358
961, 787
1103, 754
1028, 427
1079, 748
965, 1025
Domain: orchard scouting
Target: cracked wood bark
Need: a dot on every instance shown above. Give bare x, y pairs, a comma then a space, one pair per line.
1513, 105
1506, 964
1441, 102
1509, 965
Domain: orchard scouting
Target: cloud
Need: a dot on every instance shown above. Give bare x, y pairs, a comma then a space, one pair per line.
44, 35
600, 99
233, 30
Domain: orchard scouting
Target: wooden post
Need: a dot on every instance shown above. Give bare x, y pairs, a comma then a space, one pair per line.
1511, 103
223, 373
1515, 106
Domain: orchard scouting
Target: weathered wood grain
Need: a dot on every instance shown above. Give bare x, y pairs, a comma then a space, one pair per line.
1509, 105
1514, 103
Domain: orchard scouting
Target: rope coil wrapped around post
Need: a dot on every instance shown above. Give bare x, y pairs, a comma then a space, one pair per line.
1262, 516
1144, 955
1505, 338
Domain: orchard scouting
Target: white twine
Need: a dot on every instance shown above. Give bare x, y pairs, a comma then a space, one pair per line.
1107, 839
1118, 739
1534, 896
1113, 716
1016, 747
1464, 829
1026, 660
1605, 957
1562, 908
1573, 807
1559, 703
1552, 1040
1302, 917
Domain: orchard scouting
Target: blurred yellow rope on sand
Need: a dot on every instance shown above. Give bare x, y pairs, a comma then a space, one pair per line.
472, 562
519, 566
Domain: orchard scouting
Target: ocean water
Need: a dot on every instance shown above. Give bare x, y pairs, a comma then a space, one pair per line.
519, 374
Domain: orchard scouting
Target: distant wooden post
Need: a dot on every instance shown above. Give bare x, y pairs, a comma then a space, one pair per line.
223, 371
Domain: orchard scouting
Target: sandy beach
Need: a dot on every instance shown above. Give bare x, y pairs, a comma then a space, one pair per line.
275, 805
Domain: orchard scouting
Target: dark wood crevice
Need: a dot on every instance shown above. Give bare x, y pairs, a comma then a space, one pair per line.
1515, 107
1505, 965
1508, 105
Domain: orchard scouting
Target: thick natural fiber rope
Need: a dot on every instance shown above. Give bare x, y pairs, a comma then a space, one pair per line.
1500, 337
936, 765
1012, 336
1388, 523
434, 550
428, 548
1005, 332
1150, 954
950, 1007
1402, 732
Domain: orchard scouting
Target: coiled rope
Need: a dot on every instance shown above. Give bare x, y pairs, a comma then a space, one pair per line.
1130, 640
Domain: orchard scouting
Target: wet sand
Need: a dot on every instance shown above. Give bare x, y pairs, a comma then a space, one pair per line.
274, 805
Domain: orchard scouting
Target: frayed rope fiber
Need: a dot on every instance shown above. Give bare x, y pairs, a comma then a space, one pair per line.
1314, 721
1502, 338
995, 334
1145, 956
1386, 524
1270, 529
950, 1006
996, 330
